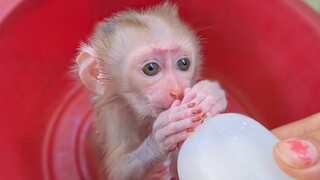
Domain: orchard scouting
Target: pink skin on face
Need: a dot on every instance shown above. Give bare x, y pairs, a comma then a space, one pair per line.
161, 51
169, 83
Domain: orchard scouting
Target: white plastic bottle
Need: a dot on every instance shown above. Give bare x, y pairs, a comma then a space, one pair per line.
229, 147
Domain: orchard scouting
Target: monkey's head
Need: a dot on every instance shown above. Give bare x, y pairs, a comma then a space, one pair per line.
143, 58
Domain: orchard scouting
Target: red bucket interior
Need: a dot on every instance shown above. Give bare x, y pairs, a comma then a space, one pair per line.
266, 54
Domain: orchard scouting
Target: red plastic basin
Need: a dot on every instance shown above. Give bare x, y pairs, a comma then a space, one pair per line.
266, 54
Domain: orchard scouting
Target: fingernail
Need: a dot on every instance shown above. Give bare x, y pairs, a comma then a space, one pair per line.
196, 119
297, 153
205, 115
196, 111
192, 104
190, 130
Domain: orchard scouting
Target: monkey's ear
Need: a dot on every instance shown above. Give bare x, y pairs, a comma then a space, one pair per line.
88, 71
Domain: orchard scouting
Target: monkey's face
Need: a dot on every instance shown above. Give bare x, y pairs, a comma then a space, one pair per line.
158, 76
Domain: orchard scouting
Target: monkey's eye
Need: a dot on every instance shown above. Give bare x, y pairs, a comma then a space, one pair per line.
150, 69
183, 64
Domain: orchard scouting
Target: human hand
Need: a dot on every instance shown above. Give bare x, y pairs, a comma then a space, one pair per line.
297, 154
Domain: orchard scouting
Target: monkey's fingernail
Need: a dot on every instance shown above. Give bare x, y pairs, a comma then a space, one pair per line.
190, 130
196, 119
196, 111
192, 104
205, 115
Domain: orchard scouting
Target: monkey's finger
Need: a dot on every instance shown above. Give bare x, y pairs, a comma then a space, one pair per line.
173, 140
183, 106
179, 126
191, 94
176, 103
208, 103
200, 96
182, 125
220, 94
222, 100
206, 86
177, 112
186, 91
212, 112
200, 85
187, 112
216, 109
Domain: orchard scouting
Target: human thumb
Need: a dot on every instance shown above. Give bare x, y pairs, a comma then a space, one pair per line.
299, 156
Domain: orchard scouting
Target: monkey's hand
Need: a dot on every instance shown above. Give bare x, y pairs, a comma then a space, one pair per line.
208, 95
170, 127
175, 125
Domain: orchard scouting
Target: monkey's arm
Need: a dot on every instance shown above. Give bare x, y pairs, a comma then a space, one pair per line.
170, 127
137, 164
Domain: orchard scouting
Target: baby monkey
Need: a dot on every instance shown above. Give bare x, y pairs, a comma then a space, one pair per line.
143, 67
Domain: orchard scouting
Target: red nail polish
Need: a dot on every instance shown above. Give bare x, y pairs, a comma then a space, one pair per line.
192, 104
196, 119
190, 130
204, 115
196, 111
